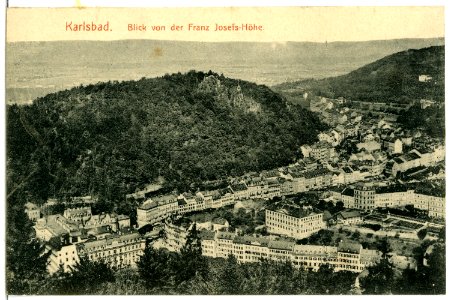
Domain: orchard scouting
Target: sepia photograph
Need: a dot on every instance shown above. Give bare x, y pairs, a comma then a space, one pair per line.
225, 151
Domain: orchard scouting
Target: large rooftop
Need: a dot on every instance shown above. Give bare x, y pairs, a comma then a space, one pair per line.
349, 247
395, 188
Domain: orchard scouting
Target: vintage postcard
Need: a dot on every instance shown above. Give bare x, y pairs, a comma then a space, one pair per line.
225, 151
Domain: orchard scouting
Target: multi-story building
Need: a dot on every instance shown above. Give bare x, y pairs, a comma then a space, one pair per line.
156, 209
33, 212
54, 226
392, 196
318, 179
240, 191
405, 162
368, 197
286, 187
347, 256
298, 224
63, 257
176, 232
347, 197
118, 251
79, 214
434, 204
272, 188
364, 197
349, 217
116, 222
322, 151
393, 145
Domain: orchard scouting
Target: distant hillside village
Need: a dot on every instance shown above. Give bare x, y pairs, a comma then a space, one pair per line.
368, 166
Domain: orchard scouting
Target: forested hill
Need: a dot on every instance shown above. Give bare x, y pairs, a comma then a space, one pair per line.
110, 138
394, 78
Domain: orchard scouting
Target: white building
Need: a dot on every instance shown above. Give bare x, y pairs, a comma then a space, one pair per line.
299, 226
65, 257
156, 209
32, 210
119, 251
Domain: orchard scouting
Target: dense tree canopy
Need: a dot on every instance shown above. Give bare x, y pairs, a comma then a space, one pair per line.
111, 138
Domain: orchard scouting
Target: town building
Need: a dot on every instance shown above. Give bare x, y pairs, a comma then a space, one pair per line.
247, 249
156, 209
62, 257
54, 226
119, 251
296, 223
369, 146
78, 214
368, 196
432, 202
33, 212
349, 217
322, 151
392, 145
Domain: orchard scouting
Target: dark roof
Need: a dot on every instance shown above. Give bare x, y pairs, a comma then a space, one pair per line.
220, 221
398, 160
249, 240
411, 156
316, 173
351, 213
239, 187
148, 205
348, 192
349, 247
309, 160
181, 222
181, 202
207, 235
226, 235
282, 245
395, 188
433, 191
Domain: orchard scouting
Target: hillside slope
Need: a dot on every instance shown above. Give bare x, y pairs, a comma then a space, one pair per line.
110, 138
392, 78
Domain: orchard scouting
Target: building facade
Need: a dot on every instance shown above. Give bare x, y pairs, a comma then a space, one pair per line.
282, 223
119, 251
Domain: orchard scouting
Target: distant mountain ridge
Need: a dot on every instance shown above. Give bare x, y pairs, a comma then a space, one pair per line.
401, 77
36, 68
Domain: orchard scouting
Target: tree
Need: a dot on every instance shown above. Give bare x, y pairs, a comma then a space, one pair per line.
191, 261
379, 279
442, 234
86, 277
154, 267
230, 278
436, 270
26, 259
427, 279
383, 245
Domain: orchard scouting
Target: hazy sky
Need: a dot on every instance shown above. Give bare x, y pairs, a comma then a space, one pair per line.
317, 24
